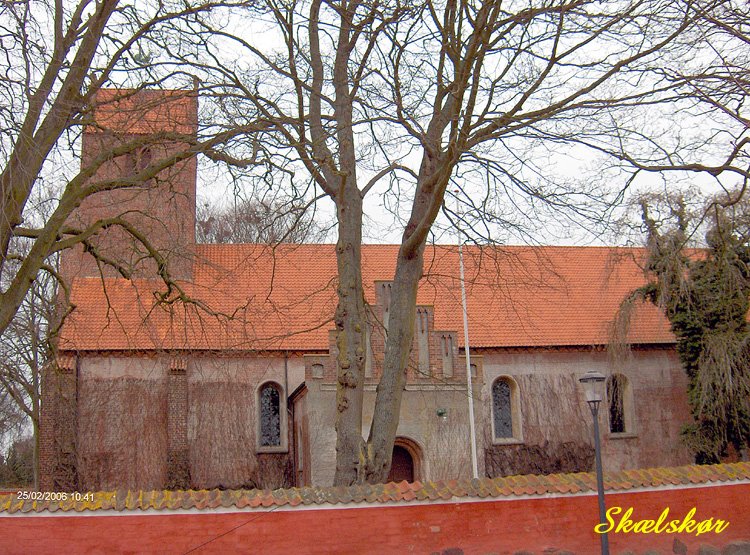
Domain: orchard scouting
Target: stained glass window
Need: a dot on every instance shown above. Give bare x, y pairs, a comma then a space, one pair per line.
501, 409
270, 417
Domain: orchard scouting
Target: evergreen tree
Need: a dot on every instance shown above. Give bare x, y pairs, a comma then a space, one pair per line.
706, 297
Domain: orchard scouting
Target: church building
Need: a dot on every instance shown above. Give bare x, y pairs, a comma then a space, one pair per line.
230, 380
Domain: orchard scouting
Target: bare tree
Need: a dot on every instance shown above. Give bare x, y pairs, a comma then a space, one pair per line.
11, 419
408, 99
710, 88
59, 57
250, 221
403, 100
26, 349
66, 64
723, 82
27, 345
17, 470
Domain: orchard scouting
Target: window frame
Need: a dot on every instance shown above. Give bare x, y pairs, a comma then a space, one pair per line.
515, 412
283, 446
628, 413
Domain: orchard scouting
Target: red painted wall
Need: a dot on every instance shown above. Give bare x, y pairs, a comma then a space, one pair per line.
474, 527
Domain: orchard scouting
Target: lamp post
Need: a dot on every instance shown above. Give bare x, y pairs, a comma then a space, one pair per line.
593, 387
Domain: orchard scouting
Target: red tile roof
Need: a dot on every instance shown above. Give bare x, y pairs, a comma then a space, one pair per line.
255, 297
145, 111
512, 486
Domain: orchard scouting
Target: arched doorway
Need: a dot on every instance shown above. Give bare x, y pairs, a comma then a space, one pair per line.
405, 463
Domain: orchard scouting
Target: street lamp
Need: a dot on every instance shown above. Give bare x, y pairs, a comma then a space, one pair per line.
593, 387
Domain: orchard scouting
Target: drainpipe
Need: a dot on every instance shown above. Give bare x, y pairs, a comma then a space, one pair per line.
286, 375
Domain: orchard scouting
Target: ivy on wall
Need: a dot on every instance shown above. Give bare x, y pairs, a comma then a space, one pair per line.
705, 295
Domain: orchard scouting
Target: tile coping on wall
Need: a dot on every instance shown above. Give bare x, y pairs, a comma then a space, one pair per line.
367, 495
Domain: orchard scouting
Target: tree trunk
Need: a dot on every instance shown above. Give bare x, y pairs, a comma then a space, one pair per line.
350, 320
409, 268
37, 441
398, 347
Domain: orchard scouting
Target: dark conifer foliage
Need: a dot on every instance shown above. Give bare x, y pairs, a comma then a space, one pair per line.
706, 296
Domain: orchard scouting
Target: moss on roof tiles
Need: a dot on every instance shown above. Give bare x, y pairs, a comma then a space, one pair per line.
512, 486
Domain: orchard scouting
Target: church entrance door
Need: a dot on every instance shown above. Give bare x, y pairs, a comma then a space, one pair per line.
402, 465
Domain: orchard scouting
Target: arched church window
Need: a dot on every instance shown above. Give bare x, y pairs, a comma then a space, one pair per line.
270, 415
143, 158
317, 370
136, 161
423, 341
502, 411
506, 411
446, 345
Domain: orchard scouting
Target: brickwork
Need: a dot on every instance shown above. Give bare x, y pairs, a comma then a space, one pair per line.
162, 208
170, 423
148, 421
553, 525
178, 465
438, 374
221, 422
58, 454
555, 421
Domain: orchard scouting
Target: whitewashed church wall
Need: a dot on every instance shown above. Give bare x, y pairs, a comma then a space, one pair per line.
554, 416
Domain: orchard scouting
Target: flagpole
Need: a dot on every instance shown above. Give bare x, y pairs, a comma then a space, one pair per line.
467, 350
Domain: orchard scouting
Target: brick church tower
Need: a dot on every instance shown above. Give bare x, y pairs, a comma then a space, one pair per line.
134, 132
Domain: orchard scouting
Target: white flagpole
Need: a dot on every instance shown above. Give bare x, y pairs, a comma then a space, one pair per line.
467, 350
